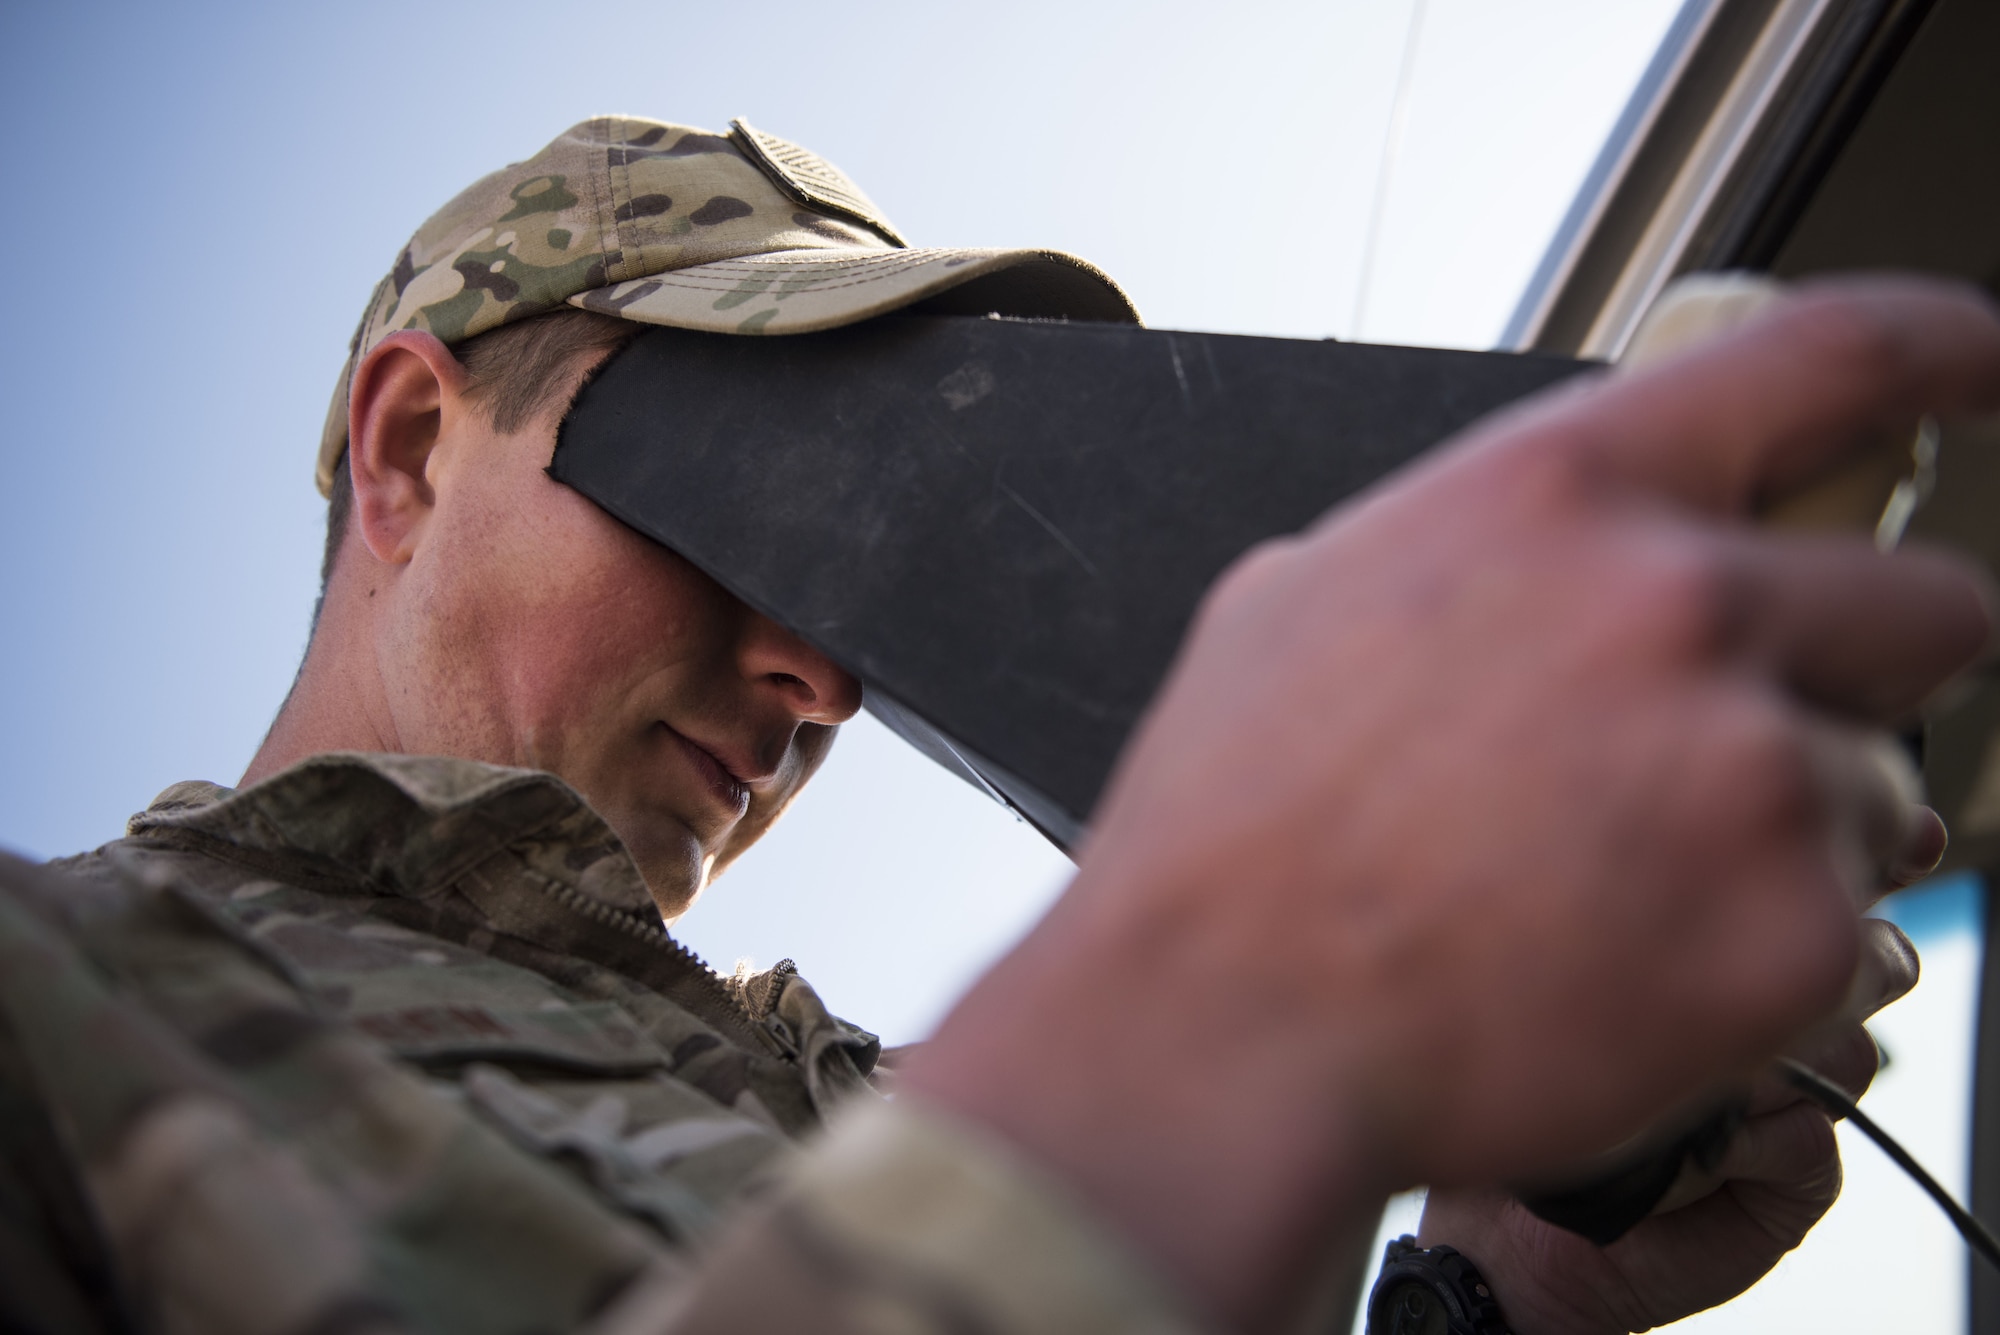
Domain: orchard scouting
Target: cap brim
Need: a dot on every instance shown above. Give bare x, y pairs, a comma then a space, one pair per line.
800, 291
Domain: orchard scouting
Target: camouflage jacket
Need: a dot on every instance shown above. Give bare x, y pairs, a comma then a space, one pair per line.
398, 1044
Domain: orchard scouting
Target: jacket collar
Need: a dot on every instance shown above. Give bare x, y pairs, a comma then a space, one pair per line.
412, 826
522, 850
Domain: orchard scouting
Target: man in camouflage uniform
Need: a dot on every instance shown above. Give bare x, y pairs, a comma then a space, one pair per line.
393, 1037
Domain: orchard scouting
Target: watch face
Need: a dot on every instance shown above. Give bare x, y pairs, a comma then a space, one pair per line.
1411, 1308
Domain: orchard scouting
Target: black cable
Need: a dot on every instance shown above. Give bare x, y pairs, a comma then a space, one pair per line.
1834, 1099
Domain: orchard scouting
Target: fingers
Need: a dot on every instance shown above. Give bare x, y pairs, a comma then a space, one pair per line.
1879, 834
1788, 1146
1859, 634
1841, 1049
1748, 416
1889, 969
1794, 1148
1785, 1142
1923, 850
1783, 1165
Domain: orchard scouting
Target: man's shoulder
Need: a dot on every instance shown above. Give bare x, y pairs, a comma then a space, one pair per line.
405, 824
443, 930
460, 911
353, 867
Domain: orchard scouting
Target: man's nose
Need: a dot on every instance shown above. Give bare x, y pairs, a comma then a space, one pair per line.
813, 687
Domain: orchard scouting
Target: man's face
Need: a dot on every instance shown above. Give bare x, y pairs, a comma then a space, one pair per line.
535, 630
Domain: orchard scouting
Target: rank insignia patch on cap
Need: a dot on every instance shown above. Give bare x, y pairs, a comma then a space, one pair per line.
809, 178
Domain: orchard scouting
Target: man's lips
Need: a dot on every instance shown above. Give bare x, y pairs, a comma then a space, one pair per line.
728, 789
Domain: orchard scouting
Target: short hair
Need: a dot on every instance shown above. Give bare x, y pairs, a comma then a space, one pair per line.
515, 372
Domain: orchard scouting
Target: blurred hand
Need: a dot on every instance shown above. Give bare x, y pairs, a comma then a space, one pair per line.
1717, 1233
1503, 809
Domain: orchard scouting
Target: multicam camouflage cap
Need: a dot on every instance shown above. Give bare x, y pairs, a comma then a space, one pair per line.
741, 233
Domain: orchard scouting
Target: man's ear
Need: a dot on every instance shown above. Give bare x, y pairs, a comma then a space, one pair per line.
403, 394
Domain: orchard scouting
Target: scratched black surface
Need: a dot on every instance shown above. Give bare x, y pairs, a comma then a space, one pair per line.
1004, 525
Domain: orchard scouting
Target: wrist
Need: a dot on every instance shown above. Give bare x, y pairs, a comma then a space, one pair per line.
1226, 1174
1511, 1249
1437, 1290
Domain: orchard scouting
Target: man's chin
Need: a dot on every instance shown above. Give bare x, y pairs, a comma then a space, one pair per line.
673, 862
674, 896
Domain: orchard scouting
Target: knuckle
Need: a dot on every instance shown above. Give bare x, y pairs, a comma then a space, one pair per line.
1813, 1155
1804, 960
1685, 600
1838, 331
1534, 458
1828, 947
1553, 468
1850, 1060
1890, 968
1241, 580
1257, 565
1770, 762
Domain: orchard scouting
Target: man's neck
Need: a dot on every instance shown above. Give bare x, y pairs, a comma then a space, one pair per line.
335, 705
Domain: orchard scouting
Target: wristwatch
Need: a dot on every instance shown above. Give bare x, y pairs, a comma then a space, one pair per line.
1431, 1291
